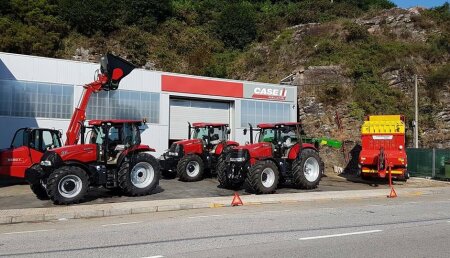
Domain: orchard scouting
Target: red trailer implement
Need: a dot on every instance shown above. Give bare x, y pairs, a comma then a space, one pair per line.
383, 146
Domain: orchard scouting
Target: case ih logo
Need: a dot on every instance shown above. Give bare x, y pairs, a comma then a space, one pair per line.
268, 93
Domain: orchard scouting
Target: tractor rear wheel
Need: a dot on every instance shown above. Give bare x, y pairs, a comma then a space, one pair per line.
190, 168
307, 170
139, 176
262, 177
67, 185
40, 191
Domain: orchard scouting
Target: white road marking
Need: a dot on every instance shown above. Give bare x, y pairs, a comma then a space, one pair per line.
120, 224
344, 234
156, 256
32, 231
205, 216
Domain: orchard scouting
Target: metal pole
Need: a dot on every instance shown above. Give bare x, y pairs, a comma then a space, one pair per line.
416, 110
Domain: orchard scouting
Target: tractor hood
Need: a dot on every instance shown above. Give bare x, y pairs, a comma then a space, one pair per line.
257, 150
81, 153
189, 146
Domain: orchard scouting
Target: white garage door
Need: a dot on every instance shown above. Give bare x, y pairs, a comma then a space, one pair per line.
183, 111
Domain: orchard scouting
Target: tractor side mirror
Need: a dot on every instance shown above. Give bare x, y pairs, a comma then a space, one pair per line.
228, 131
115, 69
245, 131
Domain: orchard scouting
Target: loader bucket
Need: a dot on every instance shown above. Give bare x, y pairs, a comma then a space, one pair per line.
115, 68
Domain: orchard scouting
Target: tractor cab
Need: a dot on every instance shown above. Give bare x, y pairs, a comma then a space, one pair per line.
206, 144
26, 149
38, 139
211, 134
281, 136
113, 137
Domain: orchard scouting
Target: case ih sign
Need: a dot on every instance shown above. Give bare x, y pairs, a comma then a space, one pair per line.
267, 92
224, 88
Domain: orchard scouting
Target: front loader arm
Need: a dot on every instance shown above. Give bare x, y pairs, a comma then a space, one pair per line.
112, 70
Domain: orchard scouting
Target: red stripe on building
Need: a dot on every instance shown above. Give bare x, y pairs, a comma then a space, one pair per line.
201, 86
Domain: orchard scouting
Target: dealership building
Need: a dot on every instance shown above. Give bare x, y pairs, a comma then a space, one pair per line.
43, 92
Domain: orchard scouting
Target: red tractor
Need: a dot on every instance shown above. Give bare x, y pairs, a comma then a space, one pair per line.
279, 155
113, 158
189, 158
29, 144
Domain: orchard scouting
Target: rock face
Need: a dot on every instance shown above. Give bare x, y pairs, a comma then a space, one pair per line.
399, 22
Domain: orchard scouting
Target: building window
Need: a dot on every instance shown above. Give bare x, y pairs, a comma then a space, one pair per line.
255, 112
124, 104
35, 99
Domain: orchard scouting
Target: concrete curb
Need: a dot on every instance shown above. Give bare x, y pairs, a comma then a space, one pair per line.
126, 208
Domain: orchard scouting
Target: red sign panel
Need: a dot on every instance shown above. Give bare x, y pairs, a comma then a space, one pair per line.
201, 86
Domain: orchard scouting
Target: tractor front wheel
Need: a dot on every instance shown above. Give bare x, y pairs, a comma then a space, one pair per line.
262, 177
67, 185
39, 190
190, 168
307, 170
222, 175
139, 176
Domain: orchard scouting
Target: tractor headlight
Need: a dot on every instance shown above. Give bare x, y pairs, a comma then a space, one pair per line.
240, 159
46, 163
173, 154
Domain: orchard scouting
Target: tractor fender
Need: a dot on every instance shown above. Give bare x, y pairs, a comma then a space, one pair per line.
294, 152
76, 163
137, 149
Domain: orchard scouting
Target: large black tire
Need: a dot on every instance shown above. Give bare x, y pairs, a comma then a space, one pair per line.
139, 176
221, 169
40, 191
190, 168
67, 185
257, 180
307, 178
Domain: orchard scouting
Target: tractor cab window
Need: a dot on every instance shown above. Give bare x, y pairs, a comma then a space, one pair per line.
200, 133
267, 135
97, 135
131, 135
218, 134
20, 138
50, 140
288, 136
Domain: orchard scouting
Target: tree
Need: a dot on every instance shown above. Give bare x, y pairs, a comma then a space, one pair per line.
148, 13
91, 16
236, 25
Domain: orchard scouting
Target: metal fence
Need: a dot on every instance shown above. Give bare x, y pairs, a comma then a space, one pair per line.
433, 163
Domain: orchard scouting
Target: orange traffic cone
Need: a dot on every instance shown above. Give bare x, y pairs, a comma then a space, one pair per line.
393, 193
236, 200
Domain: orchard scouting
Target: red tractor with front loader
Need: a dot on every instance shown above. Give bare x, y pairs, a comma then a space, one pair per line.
279, 155
188, 159
113, 157
29, 144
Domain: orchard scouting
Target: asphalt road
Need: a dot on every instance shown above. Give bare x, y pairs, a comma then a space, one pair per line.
402, 227
20, 196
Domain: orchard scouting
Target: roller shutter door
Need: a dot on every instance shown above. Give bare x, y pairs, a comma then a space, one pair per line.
184, 110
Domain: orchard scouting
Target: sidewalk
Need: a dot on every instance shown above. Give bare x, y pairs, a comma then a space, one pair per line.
125, 208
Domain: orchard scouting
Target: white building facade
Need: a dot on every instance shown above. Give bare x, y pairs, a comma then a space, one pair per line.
43, 92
